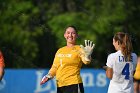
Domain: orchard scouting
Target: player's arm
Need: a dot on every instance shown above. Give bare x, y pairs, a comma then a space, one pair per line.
52, 72
84, 61
50, 75
1, 73
109, 71
87, 51
2, 65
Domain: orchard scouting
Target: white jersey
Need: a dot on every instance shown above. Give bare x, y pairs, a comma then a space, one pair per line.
122, 80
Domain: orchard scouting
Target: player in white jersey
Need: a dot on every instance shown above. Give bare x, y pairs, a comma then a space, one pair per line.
121, 65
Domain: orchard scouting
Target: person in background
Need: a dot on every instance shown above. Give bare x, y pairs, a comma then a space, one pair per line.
121, 65
2, 65
68, 62
137, 77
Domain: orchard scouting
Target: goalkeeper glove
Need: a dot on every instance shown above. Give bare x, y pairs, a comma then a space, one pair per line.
45, 79
87, 50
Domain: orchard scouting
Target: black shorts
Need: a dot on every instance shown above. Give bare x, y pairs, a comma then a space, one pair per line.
75, 88
136, 80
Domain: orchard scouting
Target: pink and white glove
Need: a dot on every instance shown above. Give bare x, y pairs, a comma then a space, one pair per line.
45, 79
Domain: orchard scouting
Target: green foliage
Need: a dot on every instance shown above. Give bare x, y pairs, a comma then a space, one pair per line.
32, 30
59, 23
17, 41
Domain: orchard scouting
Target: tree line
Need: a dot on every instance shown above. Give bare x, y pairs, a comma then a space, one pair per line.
31, 31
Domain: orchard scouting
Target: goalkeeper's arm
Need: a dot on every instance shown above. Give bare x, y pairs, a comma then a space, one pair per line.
50, 75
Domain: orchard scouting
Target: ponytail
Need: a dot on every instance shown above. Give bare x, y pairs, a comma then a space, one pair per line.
127, 47
125, 44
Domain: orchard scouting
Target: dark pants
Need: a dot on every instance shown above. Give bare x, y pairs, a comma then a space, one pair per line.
75, 88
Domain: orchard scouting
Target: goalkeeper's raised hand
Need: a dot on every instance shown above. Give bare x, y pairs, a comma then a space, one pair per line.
87, 50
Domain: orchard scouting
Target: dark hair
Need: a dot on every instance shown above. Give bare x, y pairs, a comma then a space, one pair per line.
124, 41
73, 28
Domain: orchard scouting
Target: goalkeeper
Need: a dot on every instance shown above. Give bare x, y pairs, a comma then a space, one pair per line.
68, 62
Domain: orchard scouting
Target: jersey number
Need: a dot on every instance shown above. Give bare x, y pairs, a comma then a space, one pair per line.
125, 71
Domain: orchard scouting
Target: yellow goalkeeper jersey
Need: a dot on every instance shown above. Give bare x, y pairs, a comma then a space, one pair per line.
66, 66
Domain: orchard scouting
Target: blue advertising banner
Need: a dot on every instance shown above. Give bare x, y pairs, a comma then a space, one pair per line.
28, 81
